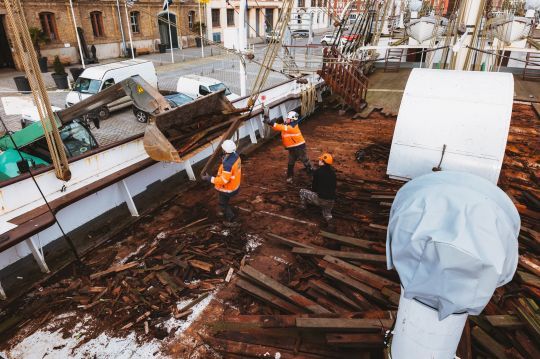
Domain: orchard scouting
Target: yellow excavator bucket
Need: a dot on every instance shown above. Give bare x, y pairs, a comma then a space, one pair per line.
174, 133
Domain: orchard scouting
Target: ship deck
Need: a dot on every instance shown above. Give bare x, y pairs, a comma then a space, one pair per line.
80, 305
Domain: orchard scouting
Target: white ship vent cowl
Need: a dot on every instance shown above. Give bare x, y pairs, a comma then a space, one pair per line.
452, 237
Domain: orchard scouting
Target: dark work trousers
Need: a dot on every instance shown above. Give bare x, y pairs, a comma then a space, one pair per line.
298, 153
223, 199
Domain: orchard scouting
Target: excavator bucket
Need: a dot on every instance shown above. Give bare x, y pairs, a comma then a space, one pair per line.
173, 133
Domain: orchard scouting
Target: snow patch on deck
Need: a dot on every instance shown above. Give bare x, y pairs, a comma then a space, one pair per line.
52, 344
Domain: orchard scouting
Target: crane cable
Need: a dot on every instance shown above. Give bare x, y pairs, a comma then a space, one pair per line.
25, 47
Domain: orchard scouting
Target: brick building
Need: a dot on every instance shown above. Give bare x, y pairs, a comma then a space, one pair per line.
100, 22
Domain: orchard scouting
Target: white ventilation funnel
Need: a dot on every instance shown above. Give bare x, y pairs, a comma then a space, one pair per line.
452, 237
468, 111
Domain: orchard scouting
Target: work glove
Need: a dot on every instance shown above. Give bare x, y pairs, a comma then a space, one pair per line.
268, 121
206, 177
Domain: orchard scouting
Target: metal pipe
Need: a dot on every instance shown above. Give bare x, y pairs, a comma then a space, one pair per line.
121, 27
128, 22
242, 41
170, 33
77, 33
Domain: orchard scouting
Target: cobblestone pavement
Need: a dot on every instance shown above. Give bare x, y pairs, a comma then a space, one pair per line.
217, 64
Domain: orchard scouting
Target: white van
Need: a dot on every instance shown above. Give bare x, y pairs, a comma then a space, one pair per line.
195, 86
97, 78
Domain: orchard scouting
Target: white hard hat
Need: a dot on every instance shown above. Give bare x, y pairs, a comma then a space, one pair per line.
293, 115
228, 146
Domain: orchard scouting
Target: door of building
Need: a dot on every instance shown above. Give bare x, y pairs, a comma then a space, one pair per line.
269, 20
163, 22
257, 22
6, 59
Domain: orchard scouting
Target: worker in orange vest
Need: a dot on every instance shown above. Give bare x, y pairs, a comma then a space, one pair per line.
293, 141
227, 181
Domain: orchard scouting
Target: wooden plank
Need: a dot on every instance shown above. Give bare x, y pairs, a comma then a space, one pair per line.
268, 297
355, 340
207, 267
530, 263
505, 321
392, 296
114, 269
341, 254
529, 279
378, 226
528, 310
356, 242
464, 349
246, 350
188, 306
488, 343
264, 321
290, 242
284, 291
334, 293
369, 325
361, 274
355, 284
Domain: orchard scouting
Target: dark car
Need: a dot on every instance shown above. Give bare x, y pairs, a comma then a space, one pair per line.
175, 99
300, 33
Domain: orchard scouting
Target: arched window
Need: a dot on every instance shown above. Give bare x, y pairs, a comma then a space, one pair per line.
48, 25
191, 19
97, 23
135, 19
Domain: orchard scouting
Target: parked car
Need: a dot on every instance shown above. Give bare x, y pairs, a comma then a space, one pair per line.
271, 36
329, 39
30, 115
300, 33
175, 99
97, 78
195, 86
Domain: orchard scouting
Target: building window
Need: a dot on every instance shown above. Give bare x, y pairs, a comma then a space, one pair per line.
301, 3
230, 17
318, 17
190, 19
215, 17
135, 19
48, 25
97, 23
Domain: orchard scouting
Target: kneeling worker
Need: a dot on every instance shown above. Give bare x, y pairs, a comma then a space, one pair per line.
293, 141
227, 180
323, 193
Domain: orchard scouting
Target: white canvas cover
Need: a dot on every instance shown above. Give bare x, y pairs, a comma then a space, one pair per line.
469, 112
452, 237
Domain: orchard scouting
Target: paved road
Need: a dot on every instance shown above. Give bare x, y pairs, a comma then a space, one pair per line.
217, 64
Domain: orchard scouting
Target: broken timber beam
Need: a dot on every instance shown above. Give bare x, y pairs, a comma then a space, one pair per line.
369, 325
284, 291
267, 297
341, 254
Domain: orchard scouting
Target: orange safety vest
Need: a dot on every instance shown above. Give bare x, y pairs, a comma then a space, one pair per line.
229, 174
290, 135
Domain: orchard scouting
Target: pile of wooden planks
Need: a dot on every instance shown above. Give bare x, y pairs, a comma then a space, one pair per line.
143, 289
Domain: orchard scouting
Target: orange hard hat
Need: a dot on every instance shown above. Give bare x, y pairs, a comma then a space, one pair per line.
326, 158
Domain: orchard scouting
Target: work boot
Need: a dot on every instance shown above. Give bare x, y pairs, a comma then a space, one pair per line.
289, 180
231, 224
330, 226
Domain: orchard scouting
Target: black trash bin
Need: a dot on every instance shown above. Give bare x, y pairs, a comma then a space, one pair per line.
22, 84
76, 72
43, 65
198, 41
129, 54
162, 48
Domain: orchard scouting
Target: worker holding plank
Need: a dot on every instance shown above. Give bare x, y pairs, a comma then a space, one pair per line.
227, 181
293, 141
323, 188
